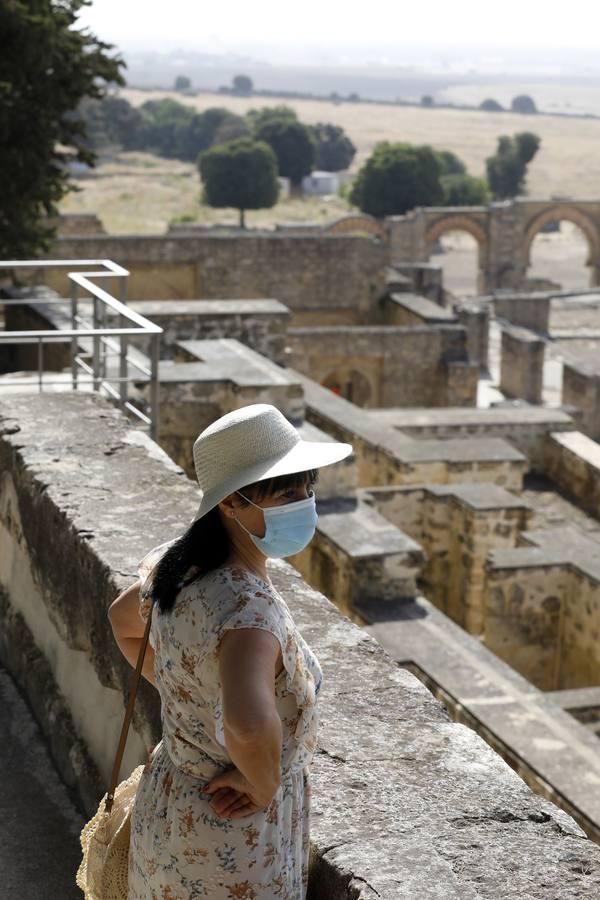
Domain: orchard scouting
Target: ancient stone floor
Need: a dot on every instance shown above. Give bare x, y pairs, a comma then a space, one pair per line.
39, 824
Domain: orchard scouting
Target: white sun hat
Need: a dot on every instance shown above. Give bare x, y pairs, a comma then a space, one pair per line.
251, 444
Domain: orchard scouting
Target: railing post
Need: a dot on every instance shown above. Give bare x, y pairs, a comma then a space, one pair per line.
74, 295
96, 346
154, 385
40, 363
123, 339
103, 343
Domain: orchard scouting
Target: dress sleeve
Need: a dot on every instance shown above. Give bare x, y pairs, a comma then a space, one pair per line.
259, 609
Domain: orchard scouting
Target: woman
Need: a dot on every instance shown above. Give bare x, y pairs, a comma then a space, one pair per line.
223, 806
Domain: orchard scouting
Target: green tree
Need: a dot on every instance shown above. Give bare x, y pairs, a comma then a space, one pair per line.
164, 124
293, 146
243, 85
259, 117
213, 126
112, 120
451, 163
241, 174
397, 178
524, 104
507, 169
47, 66
335, 150
465, 190
182, 83
490, 105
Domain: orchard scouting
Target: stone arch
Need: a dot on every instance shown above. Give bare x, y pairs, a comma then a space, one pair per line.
456, 223
566, 213
362, 224
462, 222
351, 384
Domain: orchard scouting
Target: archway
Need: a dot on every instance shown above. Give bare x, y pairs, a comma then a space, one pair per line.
460, 247
349, 384
356, 224
561, 250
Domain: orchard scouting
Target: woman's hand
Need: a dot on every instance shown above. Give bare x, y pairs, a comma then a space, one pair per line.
233, 796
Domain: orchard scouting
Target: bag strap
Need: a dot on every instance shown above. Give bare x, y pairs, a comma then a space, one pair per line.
128, 714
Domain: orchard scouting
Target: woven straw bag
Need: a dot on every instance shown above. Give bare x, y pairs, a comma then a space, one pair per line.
102, 874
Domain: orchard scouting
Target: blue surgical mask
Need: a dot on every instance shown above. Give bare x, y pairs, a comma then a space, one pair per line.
288, 528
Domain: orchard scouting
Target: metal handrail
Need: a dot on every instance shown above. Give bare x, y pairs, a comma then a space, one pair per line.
99, 333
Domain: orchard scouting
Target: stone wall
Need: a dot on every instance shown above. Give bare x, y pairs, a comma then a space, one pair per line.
316, 273
209, 378
581, 389
384, 456
457, 526
259, 324
522, 364
402, 366
475, 319
391, 773
572, 462
525, 427
527, 310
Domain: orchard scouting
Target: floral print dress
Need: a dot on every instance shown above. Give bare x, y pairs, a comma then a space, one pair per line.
180, 848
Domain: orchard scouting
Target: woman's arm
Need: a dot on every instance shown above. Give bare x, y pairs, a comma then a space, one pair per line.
251, 724
128, 627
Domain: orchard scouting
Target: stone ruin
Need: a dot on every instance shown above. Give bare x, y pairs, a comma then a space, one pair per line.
452, 591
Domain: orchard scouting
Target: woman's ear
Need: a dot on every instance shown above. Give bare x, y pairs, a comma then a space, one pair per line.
229, 504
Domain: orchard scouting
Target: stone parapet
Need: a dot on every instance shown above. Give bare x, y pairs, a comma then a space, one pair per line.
526, 309
581, 389
411, 309
385, 456
522, 364
396, 784
525, 427
457, 525
572, 461
542, 608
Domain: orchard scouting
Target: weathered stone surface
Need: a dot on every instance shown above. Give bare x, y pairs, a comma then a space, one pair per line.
385, 456
525, 427
406, 802
522, 364
548, 748
401, 365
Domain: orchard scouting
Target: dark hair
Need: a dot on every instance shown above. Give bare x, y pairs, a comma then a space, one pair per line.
206, 545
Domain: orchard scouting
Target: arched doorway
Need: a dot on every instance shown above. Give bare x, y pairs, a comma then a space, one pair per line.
349, 384
458, 245
561, 250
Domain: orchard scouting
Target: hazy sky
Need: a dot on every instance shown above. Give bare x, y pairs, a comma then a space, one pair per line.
218, 26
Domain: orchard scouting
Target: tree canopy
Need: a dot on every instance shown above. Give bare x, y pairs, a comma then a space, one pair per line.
465, 190
47, 66
524, 104
491, 105
292, 144
507, 169
451, 163
334, 149
396, 178
243, 84
182, 83
241, 174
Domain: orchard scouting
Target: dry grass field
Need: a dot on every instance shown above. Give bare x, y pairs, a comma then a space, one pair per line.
568, 161
140, 193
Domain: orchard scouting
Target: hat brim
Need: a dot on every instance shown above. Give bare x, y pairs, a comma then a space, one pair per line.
303, 456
